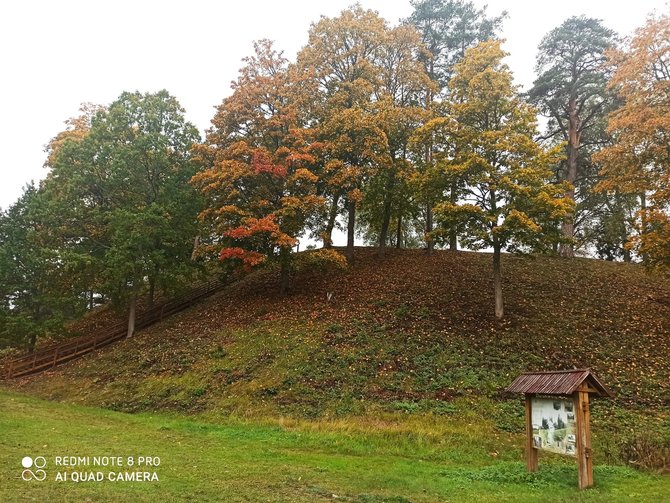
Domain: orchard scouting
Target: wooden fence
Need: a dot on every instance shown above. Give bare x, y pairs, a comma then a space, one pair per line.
50, 356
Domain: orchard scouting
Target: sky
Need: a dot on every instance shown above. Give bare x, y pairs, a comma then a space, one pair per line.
55, 55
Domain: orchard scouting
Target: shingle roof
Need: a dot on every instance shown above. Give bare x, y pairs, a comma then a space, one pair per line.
558, 382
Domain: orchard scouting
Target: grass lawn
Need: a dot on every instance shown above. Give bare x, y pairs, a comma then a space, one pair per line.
389, 458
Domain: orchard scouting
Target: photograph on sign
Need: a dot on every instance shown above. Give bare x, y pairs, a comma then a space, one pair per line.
554, 426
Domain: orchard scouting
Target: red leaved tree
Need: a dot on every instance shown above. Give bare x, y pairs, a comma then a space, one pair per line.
259, 180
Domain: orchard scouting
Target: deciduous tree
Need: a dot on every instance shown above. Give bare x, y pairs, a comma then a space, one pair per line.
342, 56
259, 177
638, 161
37, 289
448, 28
509, 201
122, 195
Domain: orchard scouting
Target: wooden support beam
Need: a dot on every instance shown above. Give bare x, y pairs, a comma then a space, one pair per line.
531, 451
584, 453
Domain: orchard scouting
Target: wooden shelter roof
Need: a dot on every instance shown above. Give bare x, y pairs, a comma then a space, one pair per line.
558, 382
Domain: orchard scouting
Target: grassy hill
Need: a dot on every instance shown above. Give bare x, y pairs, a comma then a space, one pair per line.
412, 334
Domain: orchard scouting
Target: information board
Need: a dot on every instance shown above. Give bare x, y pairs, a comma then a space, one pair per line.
554, 426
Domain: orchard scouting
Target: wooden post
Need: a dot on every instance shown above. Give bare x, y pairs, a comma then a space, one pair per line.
55, 361
131, 315
531, 451
10, 372
584, 457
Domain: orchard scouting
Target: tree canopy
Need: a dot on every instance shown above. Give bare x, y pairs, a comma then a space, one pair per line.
126, 213
571, 91
638, 161
409, 135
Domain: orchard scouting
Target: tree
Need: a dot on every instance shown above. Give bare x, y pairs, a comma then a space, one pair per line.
509, 202
607, 223
370, 90
448, 28
638, 162
37, 292
70, 231
121, 195
341, 59
356, 149
571, 91
259, 177
398, 111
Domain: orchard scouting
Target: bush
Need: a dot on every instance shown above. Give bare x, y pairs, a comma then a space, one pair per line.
320, 261
647, 451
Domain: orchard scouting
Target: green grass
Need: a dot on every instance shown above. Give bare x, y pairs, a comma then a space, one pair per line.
390, 457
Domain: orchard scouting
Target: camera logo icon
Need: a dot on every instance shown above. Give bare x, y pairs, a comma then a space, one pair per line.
33, 468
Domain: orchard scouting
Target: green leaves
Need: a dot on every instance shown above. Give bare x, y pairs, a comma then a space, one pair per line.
120, 188
38, 289
571, 91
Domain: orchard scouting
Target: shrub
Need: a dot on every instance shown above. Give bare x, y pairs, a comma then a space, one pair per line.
647, 451
321, 261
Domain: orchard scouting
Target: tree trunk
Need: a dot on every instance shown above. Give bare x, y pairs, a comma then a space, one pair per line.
497, 281
152, 290
567, 230
351, 226
568, 227
32, 341
196, 244
497, 269
627, 256
429, 227
453, 199
429, 161
131, 315
330, 225
285, 270
386, 214
643, 220
398, 236
91, 304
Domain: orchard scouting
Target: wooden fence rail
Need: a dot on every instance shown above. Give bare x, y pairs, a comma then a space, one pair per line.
53, 355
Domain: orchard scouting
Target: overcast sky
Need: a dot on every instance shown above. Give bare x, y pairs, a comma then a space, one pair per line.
57, 54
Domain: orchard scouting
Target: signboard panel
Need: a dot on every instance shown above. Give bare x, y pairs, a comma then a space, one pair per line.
554, 426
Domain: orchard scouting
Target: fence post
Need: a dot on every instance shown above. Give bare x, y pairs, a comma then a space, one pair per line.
55, 362
11, 370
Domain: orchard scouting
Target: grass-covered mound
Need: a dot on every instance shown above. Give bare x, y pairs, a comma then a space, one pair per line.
413, 333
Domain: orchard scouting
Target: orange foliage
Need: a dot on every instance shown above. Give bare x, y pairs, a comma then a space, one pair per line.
262, 163
249, 258
638, 162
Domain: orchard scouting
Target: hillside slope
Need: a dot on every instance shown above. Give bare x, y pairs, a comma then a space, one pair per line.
411, 330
